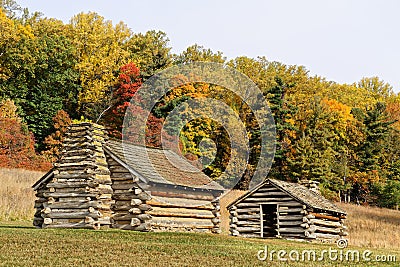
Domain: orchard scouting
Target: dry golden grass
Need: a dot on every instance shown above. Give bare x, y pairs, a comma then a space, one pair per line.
372, 227
227, 199
17, 196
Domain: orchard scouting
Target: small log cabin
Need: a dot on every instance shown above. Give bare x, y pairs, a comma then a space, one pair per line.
281, 209
99, 182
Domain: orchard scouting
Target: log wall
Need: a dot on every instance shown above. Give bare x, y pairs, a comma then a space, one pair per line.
155, 208
270, 212
90, 188
130, 211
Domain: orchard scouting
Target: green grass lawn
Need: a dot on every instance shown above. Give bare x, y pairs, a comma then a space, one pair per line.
22, 245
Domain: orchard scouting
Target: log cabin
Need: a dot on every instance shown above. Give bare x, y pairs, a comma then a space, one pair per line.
280, 209
100, 182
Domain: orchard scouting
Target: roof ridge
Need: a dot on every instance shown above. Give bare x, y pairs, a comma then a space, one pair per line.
137, 145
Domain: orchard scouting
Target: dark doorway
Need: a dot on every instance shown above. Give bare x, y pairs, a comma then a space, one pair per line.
268, 220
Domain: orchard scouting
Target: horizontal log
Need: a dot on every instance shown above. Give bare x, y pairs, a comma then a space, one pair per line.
216, 230
288, 204
290, 217
180, 212
248, 229
182, 195
71, 215
268, 194
141, 227
181, 222
247, 210
124, 217
144, 207
293, 235
126, 196
309, 235
72, 184
70, 195
144, 217
326, 236
234, 232
291, 210
136, 202
48, 210
123, 176
248, 223
143, 196
216, 213
126, 208
135, 211
321, 229
264, 199
216, 221
248, 216
267, 189
179, 203
289, 223
82, 190
135, 222
325, 223
295, 230
122, 186
323, 216
80, 220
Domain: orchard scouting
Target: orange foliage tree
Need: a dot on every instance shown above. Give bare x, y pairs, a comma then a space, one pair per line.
53, 142
17, 144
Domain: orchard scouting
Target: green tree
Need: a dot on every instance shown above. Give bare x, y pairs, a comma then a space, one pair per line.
150, 52
283, 112
39, 74
377, 128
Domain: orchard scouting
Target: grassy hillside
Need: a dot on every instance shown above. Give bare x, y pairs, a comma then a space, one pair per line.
25, 246
22, 245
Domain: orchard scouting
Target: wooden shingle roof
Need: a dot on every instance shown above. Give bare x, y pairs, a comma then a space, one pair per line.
160, 166
298, 192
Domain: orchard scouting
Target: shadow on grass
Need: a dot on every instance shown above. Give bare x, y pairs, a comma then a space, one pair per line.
10, 226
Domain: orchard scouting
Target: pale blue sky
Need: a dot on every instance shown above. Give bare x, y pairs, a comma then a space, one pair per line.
342, 40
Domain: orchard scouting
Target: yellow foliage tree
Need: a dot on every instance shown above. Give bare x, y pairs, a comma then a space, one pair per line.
101, 52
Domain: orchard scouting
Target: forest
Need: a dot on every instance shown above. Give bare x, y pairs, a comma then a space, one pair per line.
345, 136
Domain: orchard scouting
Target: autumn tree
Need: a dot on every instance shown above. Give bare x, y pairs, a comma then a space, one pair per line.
53, 142
100, 52
120, 99
196, 53
17, 145
38, 72
150, 52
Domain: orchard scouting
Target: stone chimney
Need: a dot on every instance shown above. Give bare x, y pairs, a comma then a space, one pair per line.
80, 194
311, 185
